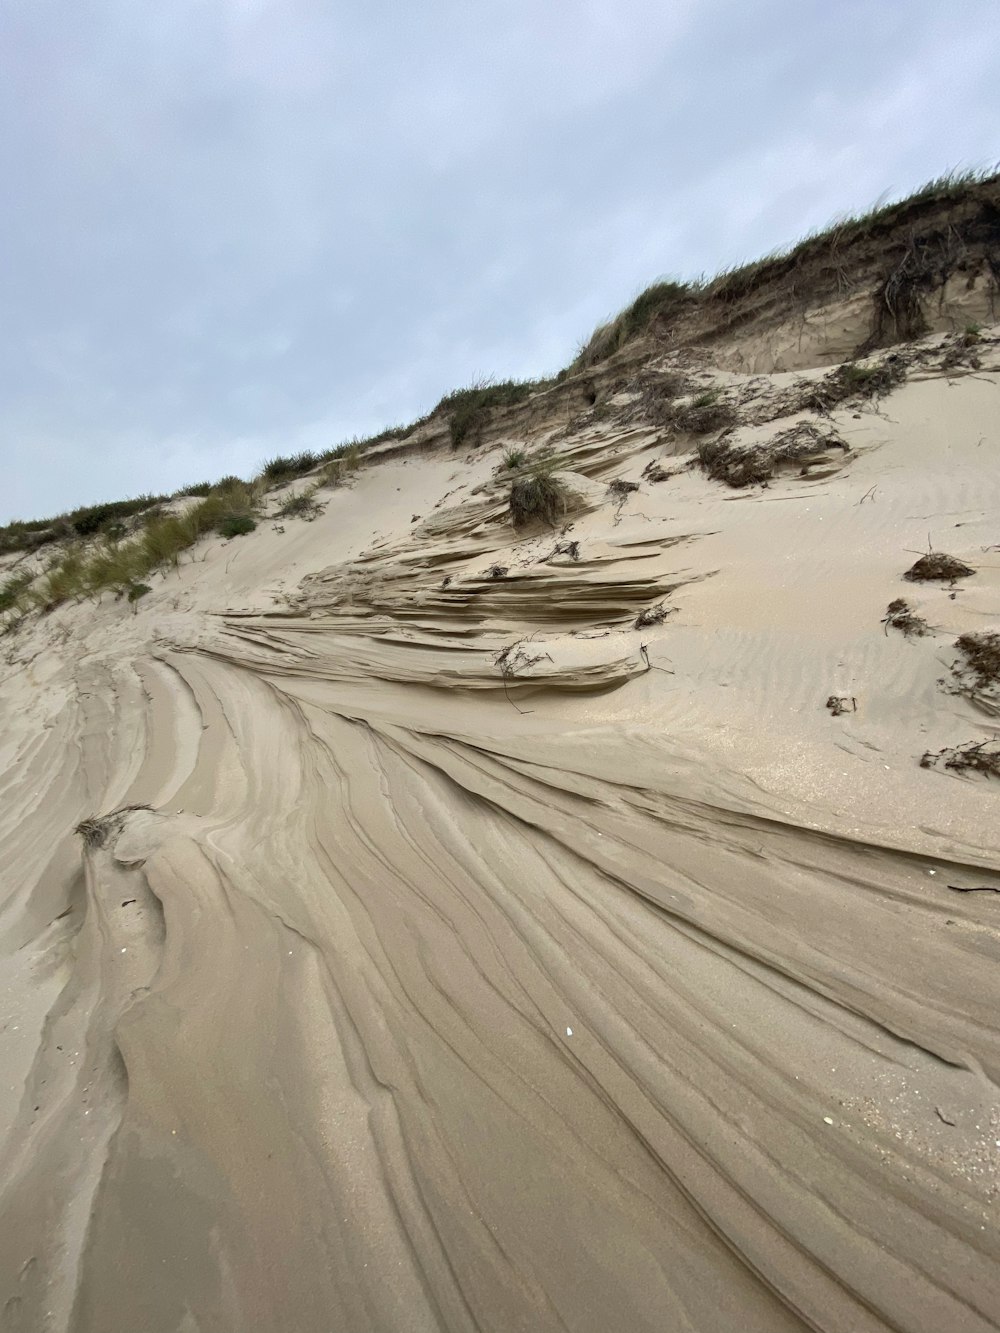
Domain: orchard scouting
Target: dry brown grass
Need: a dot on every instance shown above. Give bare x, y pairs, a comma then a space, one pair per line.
900, 615
754, 464
937, 565
974, 757
977, 672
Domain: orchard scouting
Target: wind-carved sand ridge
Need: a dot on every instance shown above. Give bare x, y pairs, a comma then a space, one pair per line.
447, 953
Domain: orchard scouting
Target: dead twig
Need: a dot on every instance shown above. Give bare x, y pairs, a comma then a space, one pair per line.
651, 666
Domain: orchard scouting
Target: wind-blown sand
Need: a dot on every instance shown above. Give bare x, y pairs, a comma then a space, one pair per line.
622, 990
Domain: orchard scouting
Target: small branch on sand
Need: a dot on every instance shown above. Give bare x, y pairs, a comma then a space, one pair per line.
508, 660
651, 666
503, 677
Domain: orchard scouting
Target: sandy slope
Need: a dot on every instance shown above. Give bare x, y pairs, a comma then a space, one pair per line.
624, 991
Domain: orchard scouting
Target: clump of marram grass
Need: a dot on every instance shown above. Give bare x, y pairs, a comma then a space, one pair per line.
360, 444
342, 461
537, 497
228, 510
513, 458
469, 410
64, 580
304, 505
283, 467
236, 525
658, 302
87, 521
12, 590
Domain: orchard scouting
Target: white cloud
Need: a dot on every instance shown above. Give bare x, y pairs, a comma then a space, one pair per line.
238, 226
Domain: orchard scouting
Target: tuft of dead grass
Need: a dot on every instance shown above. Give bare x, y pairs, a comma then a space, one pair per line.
937, 565
900, 615
839, 704
976, 674
754, 464
852, 381
707, 411
974, 757
652, 615
97, 829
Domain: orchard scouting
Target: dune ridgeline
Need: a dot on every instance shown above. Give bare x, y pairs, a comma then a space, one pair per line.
537, 869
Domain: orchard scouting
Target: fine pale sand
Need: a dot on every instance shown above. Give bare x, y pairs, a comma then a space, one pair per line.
616, 986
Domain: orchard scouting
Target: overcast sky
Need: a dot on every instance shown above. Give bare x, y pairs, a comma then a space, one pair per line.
239, 227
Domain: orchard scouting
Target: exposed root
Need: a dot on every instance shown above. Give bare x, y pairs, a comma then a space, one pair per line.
709, 411
852, 381
753, 464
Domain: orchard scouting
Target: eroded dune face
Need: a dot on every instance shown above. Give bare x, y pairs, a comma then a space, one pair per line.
447, 953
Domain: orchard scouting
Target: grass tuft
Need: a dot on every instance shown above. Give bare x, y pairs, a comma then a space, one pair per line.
469, 410
538, 497
900, 615
975, 757
343, 460
937, 565
303, 505
235, 525
12, 591
283, 467
660, 301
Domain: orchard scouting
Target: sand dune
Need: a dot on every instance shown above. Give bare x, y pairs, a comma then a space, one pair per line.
611, 983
